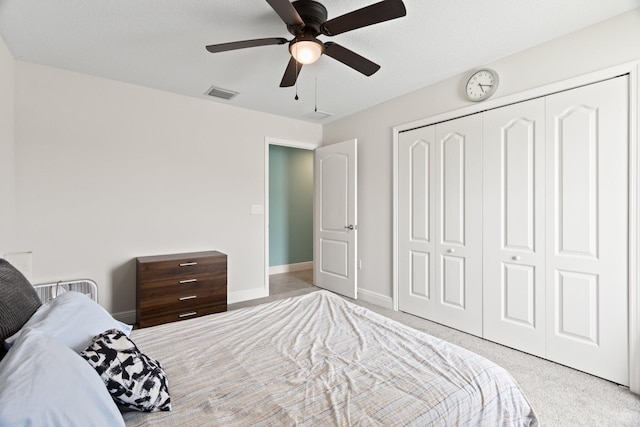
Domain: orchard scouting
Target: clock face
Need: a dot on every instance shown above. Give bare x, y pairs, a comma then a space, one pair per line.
481, 85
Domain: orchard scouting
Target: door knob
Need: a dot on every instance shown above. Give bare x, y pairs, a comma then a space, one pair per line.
349, 227
516, 258
451, 251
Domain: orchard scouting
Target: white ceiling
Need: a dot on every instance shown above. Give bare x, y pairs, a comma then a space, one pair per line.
161, 44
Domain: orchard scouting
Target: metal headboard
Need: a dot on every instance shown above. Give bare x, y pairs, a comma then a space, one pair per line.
48, 291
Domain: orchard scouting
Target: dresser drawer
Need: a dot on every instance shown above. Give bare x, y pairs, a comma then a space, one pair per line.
174, 317
179, 285
182, 302
151, 269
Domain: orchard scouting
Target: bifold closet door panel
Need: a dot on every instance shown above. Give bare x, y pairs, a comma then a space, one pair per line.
458, 254
587, 228
513, 226
440, 223
416, 222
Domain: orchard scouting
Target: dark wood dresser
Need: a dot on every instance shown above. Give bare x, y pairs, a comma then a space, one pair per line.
180, 286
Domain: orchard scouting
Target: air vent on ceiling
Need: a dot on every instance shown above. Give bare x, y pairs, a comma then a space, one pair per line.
319, 115
218, 92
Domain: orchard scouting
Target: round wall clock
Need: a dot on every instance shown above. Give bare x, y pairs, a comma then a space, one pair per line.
481, 84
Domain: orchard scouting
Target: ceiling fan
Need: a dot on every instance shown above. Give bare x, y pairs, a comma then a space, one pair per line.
307, 19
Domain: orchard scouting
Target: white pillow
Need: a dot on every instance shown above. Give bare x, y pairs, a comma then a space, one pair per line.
73, 318
46, 384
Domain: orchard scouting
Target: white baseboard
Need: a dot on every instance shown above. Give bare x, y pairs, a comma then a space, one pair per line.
287, 268
246, 295
128, 317
375, 298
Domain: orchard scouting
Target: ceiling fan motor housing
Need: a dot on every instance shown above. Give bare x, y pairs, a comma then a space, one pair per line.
313, 14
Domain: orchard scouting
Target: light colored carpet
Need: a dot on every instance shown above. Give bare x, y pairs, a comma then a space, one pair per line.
560, 396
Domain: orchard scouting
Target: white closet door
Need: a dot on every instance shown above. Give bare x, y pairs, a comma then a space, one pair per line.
440, 223
587, 228
416, 223
514, 222
459, 223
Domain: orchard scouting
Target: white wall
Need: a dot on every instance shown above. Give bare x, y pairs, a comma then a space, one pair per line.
107, 171
609, 43
7, 186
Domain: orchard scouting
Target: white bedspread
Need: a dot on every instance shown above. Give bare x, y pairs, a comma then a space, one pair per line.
318, 360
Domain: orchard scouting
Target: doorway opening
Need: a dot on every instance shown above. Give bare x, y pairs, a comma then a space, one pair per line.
288, 212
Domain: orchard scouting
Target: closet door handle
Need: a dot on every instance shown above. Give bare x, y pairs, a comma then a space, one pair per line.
450, 251
516, 258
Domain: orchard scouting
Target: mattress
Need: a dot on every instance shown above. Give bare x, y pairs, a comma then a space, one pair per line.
319, 360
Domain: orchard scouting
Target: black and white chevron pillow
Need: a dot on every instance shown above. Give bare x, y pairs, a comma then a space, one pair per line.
134, 380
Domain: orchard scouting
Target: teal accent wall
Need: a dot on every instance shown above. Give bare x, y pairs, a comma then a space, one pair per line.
290, 205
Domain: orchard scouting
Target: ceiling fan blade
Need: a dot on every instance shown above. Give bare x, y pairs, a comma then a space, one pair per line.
291, 73
369, 15
350, 58
287, 12
223, 47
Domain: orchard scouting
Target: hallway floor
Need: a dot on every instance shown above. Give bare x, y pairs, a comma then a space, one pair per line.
280, 285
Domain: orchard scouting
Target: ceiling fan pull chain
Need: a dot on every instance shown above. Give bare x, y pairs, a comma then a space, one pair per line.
296, 49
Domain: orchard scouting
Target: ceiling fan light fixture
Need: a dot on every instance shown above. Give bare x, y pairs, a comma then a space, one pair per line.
306, 51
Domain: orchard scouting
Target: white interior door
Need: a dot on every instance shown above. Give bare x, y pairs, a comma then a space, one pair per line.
587, 228
335, 222
459, 223
416, 222
440, 223
514, 223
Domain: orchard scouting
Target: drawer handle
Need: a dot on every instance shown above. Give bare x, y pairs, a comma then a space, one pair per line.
189, 297
182, 282
187, 264
193, 313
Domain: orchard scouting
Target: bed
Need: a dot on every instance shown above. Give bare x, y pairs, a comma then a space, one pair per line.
319, 360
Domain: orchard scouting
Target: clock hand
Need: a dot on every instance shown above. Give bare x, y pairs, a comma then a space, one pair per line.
482, 86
